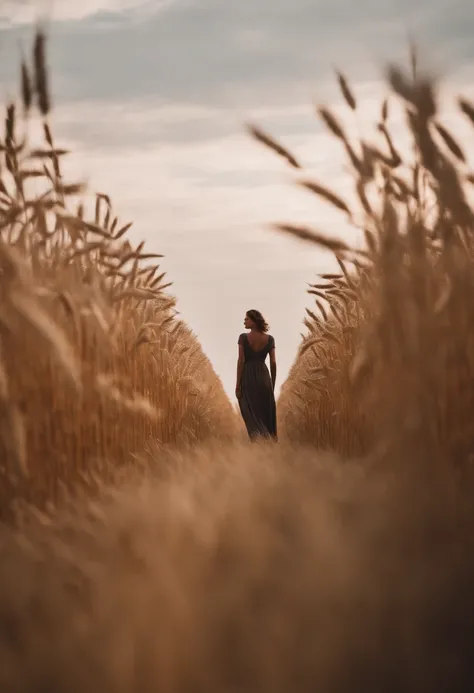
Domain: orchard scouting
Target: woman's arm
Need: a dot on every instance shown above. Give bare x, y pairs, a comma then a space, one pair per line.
273, 367
240, 368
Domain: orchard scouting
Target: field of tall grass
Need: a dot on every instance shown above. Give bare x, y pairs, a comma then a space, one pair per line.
389, 347
183, 558
95, 363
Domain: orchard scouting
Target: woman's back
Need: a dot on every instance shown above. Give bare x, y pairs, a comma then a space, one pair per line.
256, 346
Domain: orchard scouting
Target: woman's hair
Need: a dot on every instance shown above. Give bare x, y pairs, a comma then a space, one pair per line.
258, 319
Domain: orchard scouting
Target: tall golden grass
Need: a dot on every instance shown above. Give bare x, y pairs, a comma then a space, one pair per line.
95, 363
389, 343
258, 568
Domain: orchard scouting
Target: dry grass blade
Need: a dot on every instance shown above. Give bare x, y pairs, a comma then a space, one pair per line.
41, 73
413, 61
272, 144
360, 188
106, 198
346, 91
95, 228
121, 232
150, 256
450, 142
10, 122
48, 153
26, 88
322, 310
467, 108
312, 315
313, 291
48, 134
400, 84
345, 272
162, 287
311, 236
332, 123
70, 189
327, 195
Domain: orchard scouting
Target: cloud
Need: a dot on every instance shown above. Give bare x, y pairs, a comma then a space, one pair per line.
236, 54
105, 12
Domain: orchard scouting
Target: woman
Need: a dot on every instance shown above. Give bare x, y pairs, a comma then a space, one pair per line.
255, 388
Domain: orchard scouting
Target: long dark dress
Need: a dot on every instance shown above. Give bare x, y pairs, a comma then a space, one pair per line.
257, 401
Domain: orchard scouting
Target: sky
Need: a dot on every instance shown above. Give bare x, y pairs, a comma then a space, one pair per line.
153, 97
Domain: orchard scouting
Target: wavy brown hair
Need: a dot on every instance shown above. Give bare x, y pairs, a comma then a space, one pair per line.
258, 319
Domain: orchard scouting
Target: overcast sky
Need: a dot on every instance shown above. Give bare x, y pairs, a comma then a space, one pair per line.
152, 95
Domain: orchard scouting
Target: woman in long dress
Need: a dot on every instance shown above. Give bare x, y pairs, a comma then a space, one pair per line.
255, 384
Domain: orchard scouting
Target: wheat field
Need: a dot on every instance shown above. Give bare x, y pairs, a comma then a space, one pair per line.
96, 364
145, 545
